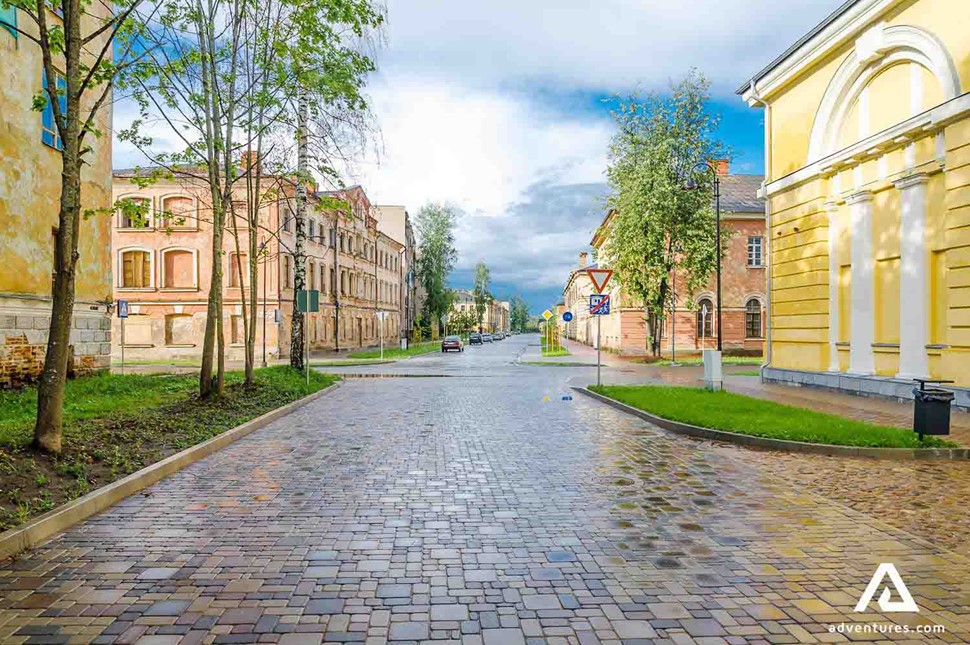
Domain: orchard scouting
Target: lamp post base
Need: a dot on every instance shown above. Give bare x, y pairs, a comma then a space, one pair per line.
713, 373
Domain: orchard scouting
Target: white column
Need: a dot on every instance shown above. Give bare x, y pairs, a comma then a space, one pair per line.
863, 286
832, 208
913, 296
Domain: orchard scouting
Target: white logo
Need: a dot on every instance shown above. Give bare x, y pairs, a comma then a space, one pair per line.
907, 603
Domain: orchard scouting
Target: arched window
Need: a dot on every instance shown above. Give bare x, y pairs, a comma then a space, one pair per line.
178, 211
136, 269
705, 318
752, 319
179, 269
135, 211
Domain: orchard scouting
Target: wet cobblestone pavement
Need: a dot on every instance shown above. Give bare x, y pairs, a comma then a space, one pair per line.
475, 511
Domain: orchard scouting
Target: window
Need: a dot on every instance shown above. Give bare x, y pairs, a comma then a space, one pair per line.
178, 212
178, 269
313, 229
237, 261
237, 330
49, 134
136, 269
756, 251
8, 18
752, 319
287, 272
311, 276
705, 318
135, 212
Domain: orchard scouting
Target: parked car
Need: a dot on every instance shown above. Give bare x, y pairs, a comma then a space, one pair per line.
475, 339
450, 343
487, 338
499, 335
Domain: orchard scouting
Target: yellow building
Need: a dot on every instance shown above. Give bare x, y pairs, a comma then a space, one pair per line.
868, 198
30, 188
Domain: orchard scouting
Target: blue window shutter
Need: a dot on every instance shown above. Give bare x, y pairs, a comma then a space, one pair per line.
8, 18
49, 134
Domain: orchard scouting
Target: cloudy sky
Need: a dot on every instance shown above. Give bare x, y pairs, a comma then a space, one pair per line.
498, 107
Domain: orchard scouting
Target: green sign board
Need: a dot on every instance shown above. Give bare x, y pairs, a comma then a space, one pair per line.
308, 301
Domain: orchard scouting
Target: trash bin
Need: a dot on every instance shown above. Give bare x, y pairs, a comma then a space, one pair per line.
931, 413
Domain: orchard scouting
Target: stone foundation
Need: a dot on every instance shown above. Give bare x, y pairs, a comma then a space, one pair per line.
24, 323
879, 386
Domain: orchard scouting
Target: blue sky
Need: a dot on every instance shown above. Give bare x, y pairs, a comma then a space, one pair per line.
497, 107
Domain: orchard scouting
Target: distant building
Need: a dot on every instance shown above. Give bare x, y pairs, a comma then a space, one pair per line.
395, 222
30, 187
691, 327
496, 316
162, 267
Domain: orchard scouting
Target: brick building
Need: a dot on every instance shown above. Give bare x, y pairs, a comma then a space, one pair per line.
688, 329
162, 267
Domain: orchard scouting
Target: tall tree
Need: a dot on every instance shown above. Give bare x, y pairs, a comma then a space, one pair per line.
482, 291
518, 313
85, 48
435, 228
661, 147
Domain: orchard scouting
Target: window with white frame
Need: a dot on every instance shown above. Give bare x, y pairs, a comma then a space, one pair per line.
178, 211
756, 251
752, 319
137, 269
135, 212
179, 269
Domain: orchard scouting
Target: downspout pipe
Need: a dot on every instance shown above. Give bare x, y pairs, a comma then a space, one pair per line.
755, 98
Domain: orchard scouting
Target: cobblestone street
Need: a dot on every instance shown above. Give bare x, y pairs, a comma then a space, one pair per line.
477, 507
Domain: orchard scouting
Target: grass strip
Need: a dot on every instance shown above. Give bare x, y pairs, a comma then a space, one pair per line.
416, 349
115, 425
760, 418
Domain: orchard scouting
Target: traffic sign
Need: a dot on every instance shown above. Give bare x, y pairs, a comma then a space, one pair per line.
547, 314
600, 278
308, 301
122, 309
567, 316
599, 304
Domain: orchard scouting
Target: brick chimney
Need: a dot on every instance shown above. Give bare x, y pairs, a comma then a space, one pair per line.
722, 166
249, 159
583, 259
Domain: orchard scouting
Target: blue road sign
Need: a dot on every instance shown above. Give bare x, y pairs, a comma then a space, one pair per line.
567, 316
599, 304
122, 309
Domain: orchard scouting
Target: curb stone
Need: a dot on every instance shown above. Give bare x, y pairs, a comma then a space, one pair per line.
751, 441
42, 528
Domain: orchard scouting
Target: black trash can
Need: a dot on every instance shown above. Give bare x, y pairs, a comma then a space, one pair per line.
931, 413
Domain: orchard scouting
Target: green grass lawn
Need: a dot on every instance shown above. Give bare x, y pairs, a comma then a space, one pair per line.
745, 373
747, 415
416, 349
115, 425
725, 360
551, 353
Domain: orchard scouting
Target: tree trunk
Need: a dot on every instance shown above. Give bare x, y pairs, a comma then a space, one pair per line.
299, 254
50, 391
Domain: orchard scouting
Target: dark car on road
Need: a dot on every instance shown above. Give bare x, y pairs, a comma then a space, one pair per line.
475, 339
450, 343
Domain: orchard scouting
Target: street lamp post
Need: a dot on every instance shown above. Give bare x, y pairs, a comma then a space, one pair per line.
712, 360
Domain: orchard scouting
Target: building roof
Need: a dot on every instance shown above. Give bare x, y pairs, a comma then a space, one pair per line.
798, 44
739, 194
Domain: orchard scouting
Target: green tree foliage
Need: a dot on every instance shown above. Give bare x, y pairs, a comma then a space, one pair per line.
661, 147
435, 228
518, 314
482, 291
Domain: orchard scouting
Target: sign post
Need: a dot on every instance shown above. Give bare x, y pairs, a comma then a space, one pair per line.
599, 306
122, 314
307, 302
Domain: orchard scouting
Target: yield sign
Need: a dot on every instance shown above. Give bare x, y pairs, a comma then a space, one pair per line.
600, 278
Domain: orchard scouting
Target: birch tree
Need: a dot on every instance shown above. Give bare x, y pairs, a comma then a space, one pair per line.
660, 148
435, 228
481, 291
